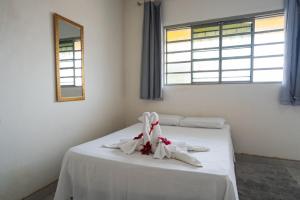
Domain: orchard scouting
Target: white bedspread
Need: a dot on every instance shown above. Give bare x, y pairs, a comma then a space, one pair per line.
91, 172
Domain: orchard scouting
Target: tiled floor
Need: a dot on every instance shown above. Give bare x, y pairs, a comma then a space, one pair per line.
261, 178
50, 197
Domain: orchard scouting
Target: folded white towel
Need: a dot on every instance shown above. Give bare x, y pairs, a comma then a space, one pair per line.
116, 145
189, 147
162, 151
136, 144
197, 148
111, 146
186, 157
146, 127
155, 130
131, 146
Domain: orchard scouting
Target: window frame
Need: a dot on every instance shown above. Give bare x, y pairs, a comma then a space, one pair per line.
220, 22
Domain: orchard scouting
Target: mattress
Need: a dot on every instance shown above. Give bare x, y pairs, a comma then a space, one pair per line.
92, 172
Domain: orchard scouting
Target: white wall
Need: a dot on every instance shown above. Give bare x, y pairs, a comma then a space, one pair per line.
178, 11
35, 131
259, 124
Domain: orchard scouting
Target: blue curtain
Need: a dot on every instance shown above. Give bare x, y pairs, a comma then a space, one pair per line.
151, 82
290, 91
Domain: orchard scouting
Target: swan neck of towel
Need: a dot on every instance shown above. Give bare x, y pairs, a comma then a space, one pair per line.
153, 124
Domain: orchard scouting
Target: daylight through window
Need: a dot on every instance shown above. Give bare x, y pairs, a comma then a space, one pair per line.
240, 51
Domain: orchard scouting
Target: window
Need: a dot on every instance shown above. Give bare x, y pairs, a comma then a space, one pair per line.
70, 63
236, 51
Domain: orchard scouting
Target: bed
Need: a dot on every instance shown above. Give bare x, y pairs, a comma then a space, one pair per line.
91, 172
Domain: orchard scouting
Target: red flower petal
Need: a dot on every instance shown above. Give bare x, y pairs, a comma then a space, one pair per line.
165, 140
153, 125
146, 150
138, 137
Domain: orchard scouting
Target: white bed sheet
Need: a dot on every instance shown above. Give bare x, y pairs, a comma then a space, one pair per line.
91, 172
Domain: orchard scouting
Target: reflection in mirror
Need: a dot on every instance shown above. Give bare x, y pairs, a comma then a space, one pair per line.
69, 59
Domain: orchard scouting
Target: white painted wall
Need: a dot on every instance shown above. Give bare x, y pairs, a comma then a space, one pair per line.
179, 11
35, 131
260, 125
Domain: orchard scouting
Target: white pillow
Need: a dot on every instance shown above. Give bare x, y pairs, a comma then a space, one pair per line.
203, 122
169, 120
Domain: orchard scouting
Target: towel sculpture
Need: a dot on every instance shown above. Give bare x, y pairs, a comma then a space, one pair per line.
152, 141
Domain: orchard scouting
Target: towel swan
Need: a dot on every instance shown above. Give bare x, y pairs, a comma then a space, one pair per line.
151, 140
138, 143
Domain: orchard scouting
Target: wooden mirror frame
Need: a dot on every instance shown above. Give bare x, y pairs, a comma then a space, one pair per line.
59, 97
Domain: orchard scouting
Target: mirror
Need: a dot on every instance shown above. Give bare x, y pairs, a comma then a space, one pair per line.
70, 85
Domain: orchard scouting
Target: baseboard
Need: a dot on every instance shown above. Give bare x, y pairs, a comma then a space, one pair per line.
43, 192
